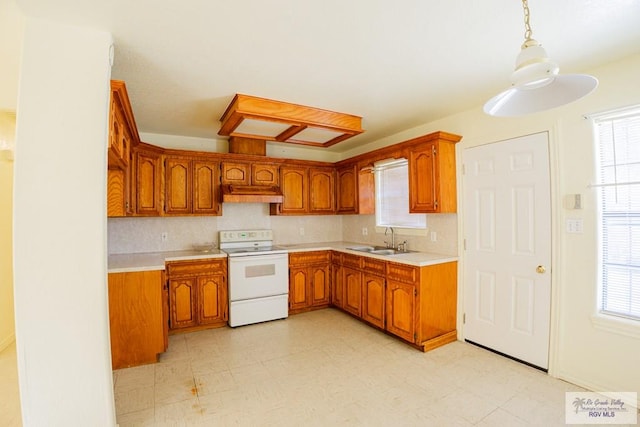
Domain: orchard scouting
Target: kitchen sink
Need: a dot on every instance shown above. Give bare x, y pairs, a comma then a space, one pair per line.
377, 250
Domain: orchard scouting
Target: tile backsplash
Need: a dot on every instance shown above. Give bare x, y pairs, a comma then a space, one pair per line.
444, 225
140, 234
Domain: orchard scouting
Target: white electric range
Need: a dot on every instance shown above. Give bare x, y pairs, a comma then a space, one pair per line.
258, 276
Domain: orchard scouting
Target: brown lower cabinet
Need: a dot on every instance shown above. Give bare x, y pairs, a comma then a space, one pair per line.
197, 294
417, 304
309, 280
137, 317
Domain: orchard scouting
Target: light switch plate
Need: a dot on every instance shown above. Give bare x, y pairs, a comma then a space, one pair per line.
575, 225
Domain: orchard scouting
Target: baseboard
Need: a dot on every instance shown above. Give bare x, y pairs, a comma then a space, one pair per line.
591, 386
7, 342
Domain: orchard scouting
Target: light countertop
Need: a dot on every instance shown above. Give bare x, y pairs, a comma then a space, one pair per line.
122, 263
419, 259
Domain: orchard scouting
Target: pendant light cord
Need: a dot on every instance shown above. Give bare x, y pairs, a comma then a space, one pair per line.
527, 27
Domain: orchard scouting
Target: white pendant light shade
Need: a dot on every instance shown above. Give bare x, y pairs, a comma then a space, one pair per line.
520, 100
536, 84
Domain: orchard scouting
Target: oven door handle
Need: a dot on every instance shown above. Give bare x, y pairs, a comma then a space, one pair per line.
257, 257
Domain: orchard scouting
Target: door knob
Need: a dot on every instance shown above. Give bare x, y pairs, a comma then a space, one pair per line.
540, 269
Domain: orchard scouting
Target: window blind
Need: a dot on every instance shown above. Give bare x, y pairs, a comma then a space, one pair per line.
618, 137
392, 196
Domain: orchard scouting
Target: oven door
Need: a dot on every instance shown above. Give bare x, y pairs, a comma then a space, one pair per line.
258, 276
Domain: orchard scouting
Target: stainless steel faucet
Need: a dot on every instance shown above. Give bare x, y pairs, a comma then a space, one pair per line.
393, 237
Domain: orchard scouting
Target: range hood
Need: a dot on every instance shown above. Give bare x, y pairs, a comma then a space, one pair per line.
232, 193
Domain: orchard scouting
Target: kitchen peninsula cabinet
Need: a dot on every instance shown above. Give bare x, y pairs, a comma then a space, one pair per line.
197, 294
136, 317
421, 303
432, 175
416, 304
309, 280
191, 186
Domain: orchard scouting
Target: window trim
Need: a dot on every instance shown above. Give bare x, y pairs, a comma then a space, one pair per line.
602, 319
379, 167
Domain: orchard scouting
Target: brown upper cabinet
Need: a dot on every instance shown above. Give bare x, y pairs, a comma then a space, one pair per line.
294, 183
347, 190
321, 191
191, 186
306, 190
147, 188
139, 182
432, 176
123, 136
245, 173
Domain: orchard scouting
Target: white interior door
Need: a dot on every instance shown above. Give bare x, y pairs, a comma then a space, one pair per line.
507, 227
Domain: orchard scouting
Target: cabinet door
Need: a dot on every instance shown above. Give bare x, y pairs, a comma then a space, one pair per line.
347, 190
177, 186
352, 282
401, 310
319, 292
299, 281
321, 191
135, 317
236, 173
423, 195
294, 184
205, 188
116, 204
337, 290
264, 174
373, 299
182, 297
165, 311
148, 173
212, 296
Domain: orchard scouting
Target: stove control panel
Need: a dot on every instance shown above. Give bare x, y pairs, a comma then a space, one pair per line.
245, 236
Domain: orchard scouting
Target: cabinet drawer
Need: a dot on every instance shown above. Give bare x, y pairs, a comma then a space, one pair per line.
305, 258
402, 273
353, 261
336, 257
190, 268
373, 266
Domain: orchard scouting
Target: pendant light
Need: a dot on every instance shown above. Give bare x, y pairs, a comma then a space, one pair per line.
535, 83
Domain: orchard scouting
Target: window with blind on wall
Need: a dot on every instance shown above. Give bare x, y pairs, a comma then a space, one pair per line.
618, 145
392, 196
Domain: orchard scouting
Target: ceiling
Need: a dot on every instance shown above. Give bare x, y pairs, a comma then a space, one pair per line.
397, 64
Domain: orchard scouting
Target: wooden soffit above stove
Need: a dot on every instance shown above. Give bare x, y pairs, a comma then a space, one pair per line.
269, 120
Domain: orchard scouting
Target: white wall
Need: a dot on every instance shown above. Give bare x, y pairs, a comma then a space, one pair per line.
11, 30
62, 337
7, 135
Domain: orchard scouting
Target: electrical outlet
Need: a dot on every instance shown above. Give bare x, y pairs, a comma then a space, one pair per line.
302, 231
365, 231
434, 236
164, 236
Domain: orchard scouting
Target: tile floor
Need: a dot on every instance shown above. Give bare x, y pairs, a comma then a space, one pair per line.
9, 393
325, 368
